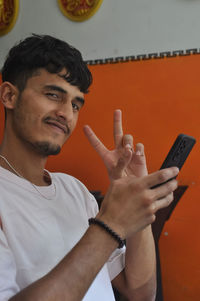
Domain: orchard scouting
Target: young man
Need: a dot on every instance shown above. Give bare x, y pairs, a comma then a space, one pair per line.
48, 250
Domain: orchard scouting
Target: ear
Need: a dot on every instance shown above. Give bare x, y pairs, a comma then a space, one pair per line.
8, 95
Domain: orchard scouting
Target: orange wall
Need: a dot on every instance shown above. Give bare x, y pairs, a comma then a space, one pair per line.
160, 98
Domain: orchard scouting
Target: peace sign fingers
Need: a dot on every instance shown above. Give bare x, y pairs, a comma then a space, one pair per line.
94, 141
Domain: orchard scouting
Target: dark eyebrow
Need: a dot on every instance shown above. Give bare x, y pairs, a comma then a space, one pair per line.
56, 88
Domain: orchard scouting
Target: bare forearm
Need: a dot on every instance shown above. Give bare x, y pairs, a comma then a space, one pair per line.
140, 257
138, 280
71, 278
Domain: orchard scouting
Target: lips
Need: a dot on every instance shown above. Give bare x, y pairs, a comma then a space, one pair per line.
62, 127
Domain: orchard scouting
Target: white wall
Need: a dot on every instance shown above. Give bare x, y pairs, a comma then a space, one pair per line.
119, 28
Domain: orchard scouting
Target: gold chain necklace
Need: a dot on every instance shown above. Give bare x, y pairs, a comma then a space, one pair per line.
19, 175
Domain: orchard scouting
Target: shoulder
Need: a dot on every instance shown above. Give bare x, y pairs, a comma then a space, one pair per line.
78, 190
68, 180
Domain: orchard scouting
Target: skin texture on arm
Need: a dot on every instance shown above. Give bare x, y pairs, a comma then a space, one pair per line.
140, 271
71, 278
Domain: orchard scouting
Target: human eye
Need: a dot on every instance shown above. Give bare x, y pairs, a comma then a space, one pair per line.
52, 95
75, 107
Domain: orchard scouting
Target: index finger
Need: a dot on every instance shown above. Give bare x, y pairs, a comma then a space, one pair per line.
117, 128
160, 177
94, 140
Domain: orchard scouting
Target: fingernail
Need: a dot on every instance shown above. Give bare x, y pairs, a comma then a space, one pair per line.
138, 153
129, 146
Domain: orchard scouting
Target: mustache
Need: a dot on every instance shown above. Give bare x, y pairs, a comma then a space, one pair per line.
59, 121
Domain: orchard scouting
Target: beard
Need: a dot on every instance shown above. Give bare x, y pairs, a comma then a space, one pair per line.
46, 148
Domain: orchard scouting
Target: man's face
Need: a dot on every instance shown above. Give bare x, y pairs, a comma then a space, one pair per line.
46, 112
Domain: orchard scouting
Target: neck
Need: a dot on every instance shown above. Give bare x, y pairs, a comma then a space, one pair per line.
27, 163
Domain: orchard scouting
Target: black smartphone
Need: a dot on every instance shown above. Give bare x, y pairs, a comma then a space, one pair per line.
178, 152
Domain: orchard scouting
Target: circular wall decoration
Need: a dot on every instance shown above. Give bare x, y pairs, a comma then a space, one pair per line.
8, 15
79, 10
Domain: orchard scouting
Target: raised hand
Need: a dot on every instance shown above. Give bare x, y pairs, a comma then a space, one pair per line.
124, 159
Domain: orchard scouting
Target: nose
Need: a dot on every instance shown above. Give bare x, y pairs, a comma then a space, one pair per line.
65, 112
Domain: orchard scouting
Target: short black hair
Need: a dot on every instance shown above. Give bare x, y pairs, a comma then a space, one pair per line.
50, 53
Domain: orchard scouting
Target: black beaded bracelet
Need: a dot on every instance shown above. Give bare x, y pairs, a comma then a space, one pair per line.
108, 230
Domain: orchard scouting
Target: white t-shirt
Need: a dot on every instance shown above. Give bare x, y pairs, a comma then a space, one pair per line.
37, 232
